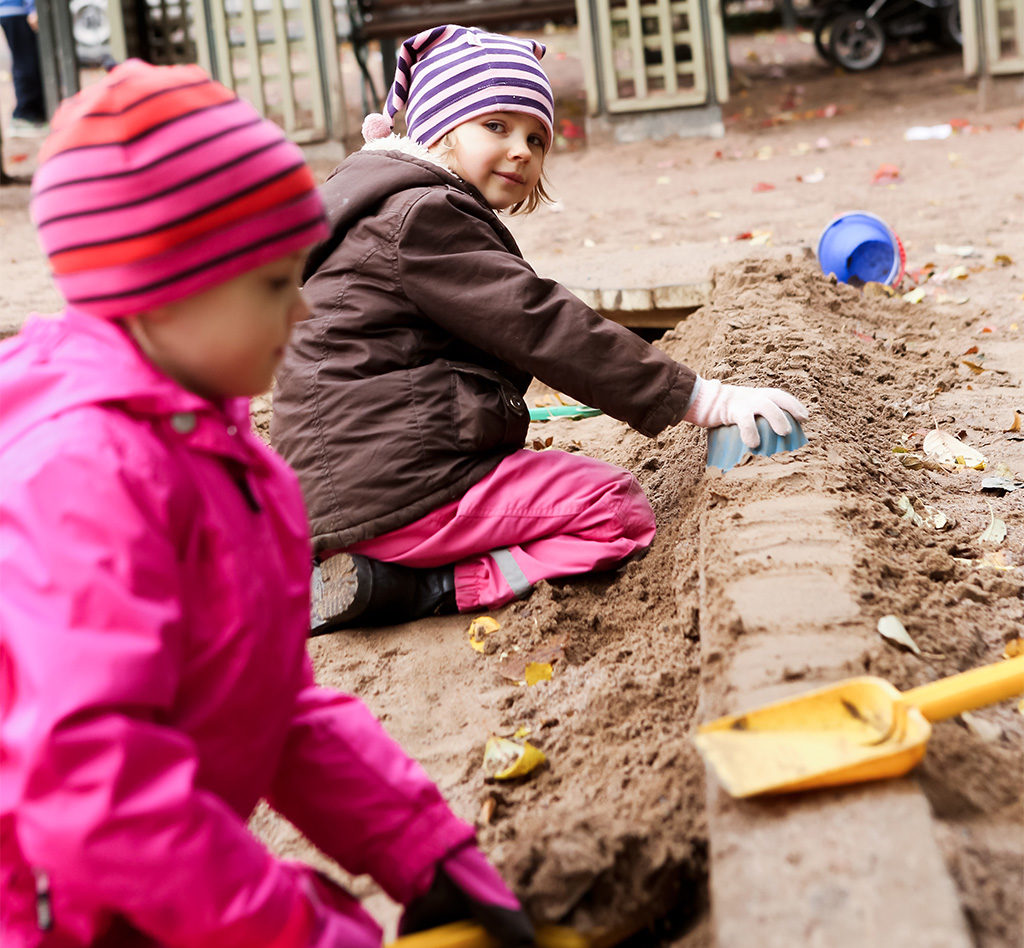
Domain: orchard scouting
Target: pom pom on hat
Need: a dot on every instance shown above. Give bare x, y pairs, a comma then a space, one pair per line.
158, 182
450, 74
376, 126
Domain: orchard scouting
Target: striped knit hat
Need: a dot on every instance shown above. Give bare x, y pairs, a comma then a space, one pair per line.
158, 182
450, 74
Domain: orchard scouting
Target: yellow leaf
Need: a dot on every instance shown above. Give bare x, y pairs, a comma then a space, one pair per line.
915, 295
1014, 648
506, 759
1015, 424
537, 671
973, 366
479, 629
1003, 260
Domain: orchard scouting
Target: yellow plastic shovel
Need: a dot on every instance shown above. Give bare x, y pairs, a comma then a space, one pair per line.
472, 935
859, 729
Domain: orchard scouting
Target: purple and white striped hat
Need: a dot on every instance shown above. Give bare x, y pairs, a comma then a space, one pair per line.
450, 74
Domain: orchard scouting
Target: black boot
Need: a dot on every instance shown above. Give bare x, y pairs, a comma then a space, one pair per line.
349, 589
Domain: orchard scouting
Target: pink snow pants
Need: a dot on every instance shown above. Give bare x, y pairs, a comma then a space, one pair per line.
537, 515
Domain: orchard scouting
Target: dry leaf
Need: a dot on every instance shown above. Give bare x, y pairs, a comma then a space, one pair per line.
981, 727
487, 810
551, 651
930, 516
906, 505
1013, 648
916, 463
995, 532
537, 671
945, 448
1003, 260
1015, 424
973, 366
505, 759
479, 629
892, 630
995, 559
914, 296
1006, 485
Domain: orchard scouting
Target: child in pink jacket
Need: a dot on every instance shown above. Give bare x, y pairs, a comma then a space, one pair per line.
154, 683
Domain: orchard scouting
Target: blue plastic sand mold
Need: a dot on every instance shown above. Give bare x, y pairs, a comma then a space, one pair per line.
726, 448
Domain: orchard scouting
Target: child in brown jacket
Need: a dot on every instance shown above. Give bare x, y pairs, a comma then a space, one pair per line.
400, 402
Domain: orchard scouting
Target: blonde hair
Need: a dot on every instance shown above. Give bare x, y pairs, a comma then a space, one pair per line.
539, 195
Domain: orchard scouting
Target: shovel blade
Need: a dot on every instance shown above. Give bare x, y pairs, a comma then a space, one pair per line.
859, 729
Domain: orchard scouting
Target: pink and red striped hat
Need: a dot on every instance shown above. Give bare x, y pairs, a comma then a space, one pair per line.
158, 182
450, 74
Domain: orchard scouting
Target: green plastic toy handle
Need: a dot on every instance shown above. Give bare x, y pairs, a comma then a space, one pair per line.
563, 411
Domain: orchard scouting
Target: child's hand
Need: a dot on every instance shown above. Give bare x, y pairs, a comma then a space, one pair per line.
716, 404
466, 886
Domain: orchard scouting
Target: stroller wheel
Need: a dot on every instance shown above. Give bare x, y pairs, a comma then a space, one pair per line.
950, 31
857, 41
822, 33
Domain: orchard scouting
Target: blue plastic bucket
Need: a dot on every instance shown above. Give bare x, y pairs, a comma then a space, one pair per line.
726, 447
862, 246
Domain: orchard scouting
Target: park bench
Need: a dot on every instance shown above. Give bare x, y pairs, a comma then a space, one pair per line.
391, 21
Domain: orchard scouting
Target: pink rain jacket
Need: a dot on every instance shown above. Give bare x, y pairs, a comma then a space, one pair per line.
154, 681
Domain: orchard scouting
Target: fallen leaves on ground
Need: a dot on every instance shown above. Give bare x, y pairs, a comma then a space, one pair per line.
892, 630
506, 759
947, 449
514, 666
995, 532
479, 629
885, 173
929, 516
536, 672
1013, 648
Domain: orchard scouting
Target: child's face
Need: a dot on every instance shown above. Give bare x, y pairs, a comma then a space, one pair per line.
501, 154
228, 340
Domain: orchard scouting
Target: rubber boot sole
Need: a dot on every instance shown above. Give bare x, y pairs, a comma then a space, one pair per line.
340, 593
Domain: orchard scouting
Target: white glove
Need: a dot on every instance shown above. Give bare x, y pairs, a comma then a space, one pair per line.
715, 404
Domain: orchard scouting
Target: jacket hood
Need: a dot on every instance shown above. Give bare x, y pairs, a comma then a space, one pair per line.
55, 365
382, 168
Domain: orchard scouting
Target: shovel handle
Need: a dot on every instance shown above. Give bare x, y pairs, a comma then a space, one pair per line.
970, 689
472, 935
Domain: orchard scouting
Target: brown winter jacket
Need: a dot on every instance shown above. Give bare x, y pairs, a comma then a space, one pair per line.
405, 386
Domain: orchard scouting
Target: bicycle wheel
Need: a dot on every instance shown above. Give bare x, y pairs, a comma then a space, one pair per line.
857, 41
